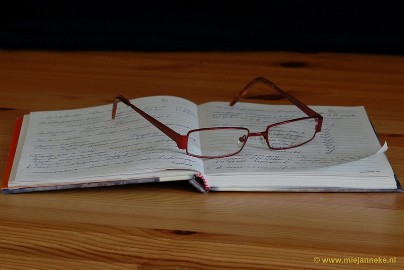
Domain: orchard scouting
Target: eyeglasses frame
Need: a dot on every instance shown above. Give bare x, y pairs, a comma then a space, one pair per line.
182, 140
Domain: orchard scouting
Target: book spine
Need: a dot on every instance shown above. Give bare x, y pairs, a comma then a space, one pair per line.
200, 183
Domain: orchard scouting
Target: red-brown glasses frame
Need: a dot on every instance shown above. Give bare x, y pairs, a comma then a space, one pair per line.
182, 140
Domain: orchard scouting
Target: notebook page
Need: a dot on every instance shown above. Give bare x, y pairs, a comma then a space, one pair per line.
346, 136
86, 142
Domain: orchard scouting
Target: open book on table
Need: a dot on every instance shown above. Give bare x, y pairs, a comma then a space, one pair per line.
85, 148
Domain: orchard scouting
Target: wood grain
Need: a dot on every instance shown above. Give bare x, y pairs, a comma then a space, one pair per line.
170, 225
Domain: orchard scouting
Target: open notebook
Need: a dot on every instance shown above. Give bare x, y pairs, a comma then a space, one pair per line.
86, 148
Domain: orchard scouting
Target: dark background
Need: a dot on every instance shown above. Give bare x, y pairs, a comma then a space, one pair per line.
307, 26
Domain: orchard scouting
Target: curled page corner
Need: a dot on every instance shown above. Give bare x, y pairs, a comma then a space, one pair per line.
383, 149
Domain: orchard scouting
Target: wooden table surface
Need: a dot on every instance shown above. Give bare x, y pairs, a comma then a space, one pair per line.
172, 226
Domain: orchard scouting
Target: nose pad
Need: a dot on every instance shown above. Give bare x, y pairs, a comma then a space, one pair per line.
241, 141
263, 140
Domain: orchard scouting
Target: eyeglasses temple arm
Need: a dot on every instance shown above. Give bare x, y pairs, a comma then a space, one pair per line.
181, 140
292, 99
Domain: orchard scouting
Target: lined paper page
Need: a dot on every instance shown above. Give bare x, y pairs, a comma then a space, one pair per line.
86, 142
347, 135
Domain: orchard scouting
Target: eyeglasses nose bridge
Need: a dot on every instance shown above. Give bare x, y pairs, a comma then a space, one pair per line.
255, 134
243, 139
262, 134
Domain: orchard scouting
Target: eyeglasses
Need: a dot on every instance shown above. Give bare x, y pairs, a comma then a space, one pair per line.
220, 142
